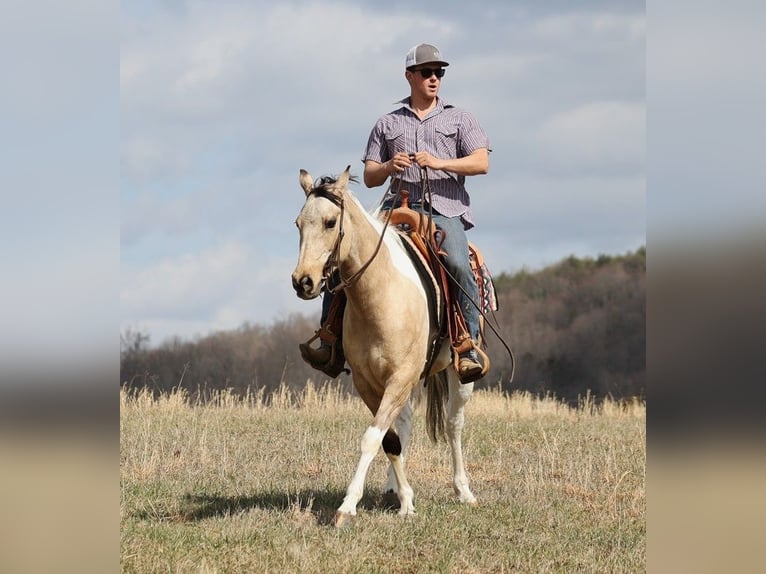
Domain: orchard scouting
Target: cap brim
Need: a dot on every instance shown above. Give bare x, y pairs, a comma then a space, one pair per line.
440, 62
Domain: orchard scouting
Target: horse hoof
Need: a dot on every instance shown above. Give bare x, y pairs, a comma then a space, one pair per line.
466, 498
343, 519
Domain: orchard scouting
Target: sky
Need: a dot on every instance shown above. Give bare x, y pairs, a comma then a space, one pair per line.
221, 105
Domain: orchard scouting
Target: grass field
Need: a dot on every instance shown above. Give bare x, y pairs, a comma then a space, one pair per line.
238, 486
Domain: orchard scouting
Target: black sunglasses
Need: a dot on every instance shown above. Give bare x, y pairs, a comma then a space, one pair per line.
428, 72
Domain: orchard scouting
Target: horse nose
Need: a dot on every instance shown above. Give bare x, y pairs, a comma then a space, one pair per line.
303, 285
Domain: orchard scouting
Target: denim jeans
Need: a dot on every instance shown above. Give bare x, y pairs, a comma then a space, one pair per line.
327, 298
457, 262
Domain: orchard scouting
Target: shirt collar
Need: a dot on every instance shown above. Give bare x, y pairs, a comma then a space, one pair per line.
440, 103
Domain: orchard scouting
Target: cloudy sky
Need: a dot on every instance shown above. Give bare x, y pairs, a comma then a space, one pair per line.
222, 103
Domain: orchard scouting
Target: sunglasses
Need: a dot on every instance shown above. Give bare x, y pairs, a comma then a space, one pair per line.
428, 72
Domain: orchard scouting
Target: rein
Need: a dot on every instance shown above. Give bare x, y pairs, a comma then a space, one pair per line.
427, 197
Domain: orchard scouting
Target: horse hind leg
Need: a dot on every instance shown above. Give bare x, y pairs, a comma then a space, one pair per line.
459, 395
404, 431
392, 446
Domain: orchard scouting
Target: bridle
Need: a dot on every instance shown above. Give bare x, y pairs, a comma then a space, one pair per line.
332, 265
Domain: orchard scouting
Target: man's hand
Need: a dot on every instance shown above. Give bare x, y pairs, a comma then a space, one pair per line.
425, 159
400, 162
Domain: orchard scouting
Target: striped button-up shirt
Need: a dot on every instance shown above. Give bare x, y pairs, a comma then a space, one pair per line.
446, 133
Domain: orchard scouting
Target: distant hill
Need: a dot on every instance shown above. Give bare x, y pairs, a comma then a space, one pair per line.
575, 327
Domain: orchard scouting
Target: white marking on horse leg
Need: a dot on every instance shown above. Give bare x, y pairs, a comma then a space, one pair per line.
404, 490
404, 430
459, 395
371, 440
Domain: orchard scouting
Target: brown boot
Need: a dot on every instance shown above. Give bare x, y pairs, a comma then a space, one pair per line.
468, 368
320, 358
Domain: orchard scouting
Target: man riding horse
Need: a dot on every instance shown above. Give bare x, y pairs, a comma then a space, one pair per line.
425, 135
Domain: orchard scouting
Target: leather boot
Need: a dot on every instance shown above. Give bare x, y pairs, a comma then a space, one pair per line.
320, 358
468, 368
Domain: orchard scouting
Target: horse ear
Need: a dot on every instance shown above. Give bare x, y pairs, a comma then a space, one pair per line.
306, 182
343, 178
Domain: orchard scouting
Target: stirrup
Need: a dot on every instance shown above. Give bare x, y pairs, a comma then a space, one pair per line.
469, 370
473, 374
336, 363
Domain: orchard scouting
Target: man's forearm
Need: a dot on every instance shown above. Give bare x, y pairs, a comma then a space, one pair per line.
475, 164
376, 174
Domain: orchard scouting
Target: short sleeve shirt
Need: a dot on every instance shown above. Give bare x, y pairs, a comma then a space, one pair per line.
446, 133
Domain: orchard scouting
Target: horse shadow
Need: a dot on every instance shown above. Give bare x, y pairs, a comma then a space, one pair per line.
322, 504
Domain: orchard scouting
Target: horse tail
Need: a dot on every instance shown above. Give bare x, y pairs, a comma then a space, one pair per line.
436, 386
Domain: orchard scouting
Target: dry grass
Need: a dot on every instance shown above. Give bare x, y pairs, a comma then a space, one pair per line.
238, 486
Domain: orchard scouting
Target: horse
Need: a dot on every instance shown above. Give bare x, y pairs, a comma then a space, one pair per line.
387, 330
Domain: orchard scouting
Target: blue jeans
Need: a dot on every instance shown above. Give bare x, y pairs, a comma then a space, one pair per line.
327, 298
457, 263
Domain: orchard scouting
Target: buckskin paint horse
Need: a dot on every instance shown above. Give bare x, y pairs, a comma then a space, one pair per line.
387, 330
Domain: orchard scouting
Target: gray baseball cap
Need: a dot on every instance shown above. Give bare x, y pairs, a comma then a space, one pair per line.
424, 54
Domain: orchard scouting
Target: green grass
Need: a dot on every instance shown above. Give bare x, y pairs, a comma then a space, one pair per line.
240, 487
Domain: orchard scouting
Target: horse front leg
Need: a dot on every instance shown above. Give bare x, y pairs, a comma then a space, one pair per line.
390, 407
371, 441
459, 395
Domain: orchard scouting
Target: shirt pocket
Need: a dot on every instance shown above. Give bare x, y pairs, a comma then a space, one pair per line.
446, 142
395, 142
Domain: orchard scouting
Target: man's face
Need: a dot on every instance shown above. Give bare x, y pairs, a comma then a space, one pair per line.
425, 79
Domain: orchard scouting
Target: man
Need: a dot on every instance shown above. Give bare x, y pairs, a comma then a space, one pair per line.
426, 132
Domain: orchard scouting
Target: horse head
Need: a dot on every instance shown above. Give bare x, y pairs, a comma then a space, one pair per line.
320, 225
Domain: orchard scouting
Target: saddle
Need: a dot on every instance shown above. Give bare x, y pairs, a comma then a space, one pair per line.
416, 230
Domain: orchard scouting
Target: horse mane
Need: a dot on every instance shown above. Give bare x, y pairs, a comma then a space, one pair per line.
325, 187
327, 181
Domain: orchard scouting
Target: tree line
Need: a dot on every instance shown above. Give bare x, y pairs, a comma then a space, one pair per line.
576, 327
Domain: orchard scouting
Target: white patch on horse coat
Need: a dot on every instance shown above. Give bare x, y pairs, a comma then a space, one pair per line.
399, 255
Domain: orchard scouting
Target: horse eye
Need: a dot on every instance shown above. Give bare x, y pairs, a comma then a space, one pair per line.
330, 223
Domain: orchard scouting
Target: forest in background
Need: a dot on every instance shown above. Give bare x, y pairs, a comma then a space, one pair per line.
576, 327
